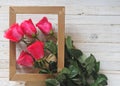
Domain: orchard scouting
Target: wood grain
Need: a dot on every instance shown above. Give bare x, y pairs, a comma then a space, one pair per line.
82, 10
93, 24
58, 10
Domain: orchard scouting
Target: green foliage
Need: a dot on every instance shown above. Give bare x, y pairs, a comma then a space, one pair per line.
51, 46
46, 67
69, 43
52, 82
40, 63
45, 71
79, 70
100, 81
53, 66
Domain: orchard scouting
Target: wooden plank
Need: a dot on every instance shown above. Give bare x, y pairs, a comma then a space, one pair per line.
106, 29
4, 54
99, 47
71, 19
94, 37
35, 83
82, 10
93, 10
4, 45
4, 64
11, 83
36, 9
4, 16
105, 56
4, 73
115, 66
3, 79
4, 9
2, 38
61, 2
4, 21
113, 79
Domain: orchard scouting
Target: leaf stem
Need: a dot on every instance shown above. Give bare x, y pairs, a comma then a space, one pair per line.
24, 41
37, 38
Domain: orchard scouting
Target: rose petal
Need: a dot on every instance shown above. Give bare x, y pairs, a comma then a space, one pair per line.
36, 50
14, 33
28, 28
44, 25
25, 59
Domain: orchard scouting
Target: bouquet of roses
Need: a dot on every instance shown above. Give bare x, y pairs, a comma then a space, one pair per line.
38, 53
79, 70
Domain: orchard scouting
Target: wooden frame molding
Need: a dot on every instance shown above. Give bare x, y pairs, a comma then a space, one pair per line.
60, 11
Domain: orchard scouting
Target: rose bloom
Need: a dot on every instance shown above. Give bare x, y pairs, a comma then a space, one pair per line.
28, 28
14, 33
25, 59
45, 26
36, 50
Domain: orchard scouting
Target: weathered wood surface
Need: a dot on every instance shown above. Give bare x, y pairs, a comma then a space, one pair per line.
93, 24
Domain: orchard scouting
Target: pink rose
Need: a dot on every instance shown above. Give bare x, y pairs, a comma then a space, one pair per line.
36, 50
28, 28
14, 33
25, 59
45, 26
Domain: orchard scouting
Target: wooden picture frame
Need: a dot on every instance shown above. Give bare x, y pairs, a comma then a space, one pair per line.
60, 11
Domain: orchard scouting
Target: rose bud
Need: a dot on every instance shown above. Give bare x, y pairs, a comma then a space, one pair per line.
28, 28
45, 26
25, 59
36, 50
14, 33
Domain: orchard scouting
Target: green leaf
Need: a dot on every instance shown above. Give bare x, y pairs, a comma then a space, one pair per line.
82, 59
101, 78
61, 77
100, 81
90, 63
51, 46
44, 71
75, 53
52, 82
70, 83
65, 71
97, 67
77, 81
90, 59
36, 64
90, 68
53, 66
69, 43
73, 71
39, 63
